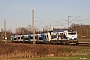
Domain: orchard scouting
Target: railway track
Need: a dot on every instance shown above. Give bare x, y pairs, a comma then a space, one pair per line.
85, 44
71, 44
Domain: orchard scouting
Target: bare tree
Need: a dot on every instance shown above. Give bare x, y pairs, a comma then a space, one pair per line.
46, 28
83, 30
22, 30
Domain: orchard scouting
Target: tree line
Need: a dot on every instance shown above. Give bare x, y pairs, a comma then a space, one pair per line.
82, 30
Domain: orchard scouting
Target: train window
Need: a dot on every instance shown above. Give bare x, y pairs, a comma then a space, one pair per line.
36, 37
26, 38
31, 37
40, 38
62, 35
18, 37
47, 36
53, 36
72, 33
14, 38
21, 37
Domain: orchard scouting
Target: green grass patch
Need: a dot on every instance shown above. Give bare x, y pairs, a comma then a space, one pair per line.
82, 57
64, 58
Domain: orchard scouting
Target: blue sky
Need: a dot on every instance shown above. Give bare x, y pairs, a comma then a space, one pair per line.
18, 13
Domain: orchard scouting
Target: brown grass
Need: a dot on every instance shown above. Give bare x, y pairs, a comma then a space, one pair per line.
20, 50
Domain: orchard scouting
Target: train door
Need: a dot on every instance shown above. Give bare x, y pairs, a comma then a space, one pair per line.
13, 38
48, 36
39, 38
29, 38
26, 38
44, 38
18, 38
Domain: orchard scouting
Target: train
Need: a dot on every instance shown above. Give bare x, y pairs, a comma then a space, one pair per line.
56, 36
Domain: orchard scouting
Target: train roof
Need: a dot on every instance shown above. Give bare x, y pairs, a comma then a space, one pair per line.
58, 30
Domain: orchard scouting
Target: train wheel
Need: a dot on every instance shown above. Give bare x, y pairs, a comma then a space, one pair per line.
31, 42
61, 43
67, 43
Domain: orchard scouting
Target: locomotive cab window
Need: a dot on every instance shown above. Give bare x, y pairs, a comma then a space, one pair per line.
18, 37
53, 36
71, 33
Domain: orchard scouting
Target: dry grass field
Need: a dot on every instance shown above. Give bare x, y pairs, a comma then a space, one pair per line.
84, 40
26, 50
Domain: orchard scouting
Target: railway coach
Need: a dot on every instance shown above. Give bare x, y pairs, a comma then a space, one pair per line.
39, 38
22, 38
56, 36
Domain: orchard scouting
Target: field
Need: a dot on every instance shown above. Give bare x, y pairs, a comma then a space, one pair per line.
28, 51
55, 58
84, 40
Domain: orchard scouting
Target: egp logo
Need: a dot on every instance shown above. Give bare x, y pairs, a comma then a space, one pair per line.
83, 58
